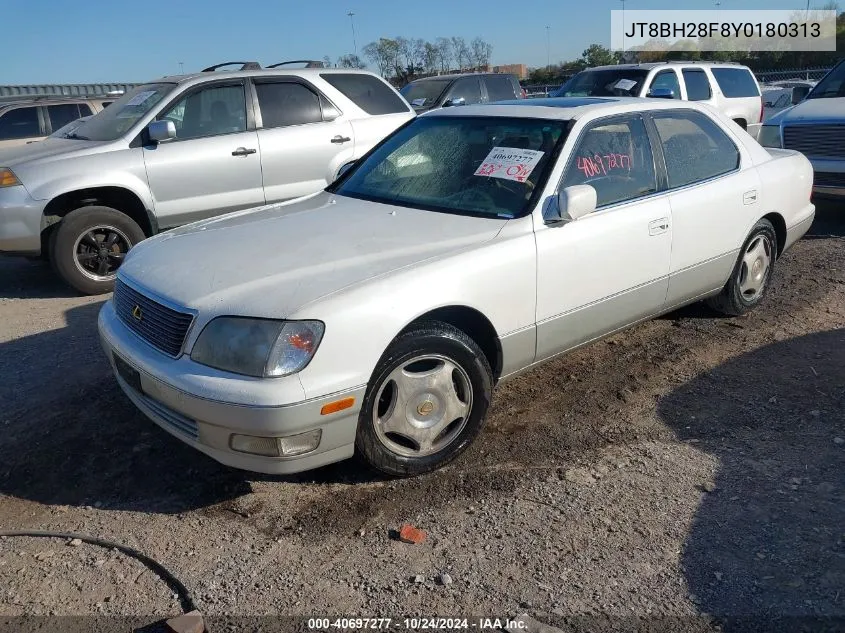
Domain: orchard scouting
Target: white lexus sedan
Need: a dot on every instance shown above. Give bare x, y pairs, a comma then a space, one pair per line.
375, 317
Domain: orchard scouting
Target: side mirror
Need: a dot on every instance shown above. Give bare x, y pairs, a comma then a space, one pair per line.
161, 131
798, 96
575, 202
459, 101
661, 93
345, 168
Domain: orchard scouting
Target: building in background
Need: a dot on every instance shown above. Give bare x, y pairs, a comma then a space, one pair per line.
520, 70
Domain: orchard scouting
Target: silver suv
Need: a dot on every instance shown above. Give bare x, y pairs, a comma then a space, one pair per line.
182, 149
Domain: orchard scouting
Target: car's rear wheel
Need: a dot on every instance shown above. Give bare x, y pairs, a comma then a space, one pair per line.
89, 245
751, 274
425, 402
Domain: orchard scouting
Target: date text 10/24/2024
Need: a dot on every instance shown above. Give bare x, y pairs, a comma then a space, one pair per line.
417, 624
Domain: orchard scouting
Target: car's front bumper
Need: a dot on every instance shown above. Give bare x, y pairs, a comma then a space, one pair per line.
20, 221
829, 176
208, 424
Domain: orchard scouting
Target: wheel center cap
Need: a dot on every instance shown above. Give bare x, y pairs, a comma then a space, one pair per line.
425, 407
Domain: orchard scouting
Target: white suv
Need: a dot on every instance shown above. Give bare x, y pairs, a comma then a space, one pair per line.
728, 87
186, 148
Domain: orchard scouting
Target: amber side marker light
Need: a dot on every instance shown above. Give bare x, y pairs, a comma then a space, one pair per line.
337, 405
7, 178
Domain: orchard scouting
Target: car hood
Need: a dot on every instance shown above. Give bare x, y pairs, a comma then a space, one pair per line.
826, 110
273, 260
49, 148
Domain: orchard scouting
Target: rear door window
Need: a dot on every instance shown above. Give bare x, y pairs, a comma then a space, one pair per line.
19, 123
368, 92
736, 82
694, 147
499, 88
698, 86
287, 103
62, 114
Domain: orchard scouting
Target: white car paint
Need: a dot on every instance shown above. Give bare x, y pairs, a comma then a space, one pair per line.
368, 270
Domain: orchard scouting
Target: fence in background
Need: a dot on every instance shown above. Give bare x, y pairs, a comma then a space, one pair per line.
64, 90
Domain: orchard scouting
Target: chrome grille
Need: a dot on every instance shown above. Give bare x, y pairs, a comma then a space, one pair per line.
162, 327
816, 140
829, 179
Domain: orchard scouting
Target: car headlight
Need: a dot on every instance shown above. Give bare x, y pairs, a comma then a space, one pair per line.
769, 136
257, 347
8, 178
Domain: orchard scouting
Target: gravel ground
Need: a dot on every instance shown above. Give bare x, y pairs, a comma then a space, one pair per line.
687, 472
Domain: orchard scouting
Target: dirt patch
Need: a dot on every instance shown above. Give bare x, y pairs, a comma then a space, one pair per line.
688, 466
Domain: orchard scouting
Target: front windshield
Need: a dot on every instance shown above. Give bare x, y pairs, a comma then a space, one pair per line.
622, 82
120, 116
484, 166
833, 85
422, 94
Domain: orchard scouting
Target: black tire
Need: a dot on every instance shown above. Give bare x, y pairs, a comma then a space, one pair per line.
75, 233
731, 301
435, 338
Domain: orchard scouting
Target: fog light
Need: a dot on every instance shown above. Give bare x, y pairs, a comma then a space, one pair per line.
276, 446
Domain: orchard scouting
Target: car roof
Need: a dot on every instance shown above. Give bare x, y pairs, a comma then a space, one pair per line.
264, 72
24, 100
650, 65
564, 108
459, 76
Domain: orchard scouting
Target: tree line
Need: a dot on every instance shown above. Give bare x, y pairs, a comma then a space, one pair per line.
398, 57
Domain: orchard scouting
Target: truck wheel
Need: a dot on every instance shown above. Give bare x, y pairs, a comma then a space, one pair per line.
425, 402
89, 245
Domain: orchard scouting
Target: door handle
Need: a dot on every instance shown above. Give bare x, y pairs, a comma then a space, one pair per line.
243, 151
656, 227
340, 139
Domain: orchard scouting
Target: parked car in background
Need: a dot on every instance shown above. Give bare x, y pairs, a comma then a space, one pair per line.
182, 149
23, 120
463, 89
780, 95
470, 245
728, 87
816, 128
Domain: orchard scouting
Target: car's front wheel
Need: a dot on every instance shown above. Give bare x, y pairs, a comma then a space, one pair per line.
425, 402
89, 245
751, 274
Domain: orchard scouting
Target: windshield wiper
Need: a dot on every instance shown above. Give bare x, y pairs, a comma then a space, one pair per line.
76, 136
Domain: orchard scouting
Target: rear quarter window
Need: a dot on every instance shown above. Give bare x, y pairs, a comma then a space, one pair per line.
736, 82
368, 92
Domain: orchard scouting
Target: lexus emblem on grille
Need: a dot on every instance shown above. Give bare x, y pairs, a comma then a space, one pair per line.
136, 313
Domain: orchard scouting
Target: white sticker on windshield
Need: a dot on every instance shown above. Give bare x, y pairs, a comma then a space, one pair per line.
139, 98
509, 163
625, 84
418, 102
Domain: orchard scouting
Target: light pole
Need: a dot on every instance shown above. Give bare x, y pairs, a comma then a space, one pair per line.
181, 68
548, 50
354, 41
623, 26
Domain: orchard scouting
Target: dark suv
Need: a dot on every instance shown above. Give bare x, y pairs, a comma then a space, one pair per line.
464, 89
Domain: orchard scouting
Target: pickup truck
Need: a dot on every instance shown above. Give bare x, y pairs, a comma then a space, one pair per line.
816, 128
